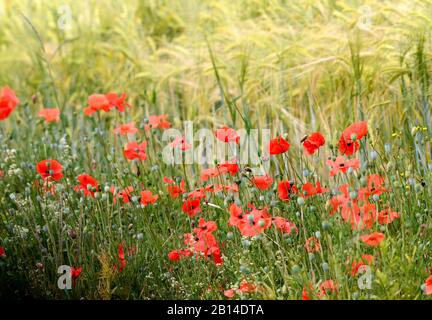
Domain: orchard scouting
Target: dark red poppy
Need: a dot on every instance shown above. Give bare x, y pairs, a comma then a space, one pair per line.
50, 169
121, 256
2, 252
191, 207
349, 140
285, 189
313, 142
278, 145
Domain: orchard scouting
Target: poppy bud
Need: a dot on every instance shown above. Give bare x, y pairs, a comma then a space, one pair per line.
300, 201
230, 235
261, 223
250, 217
325, 267
353, 137
295, 269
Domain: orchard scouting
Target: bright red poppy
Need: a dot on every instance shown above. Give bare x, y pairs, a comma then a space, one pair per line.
88, 184
278, 145
50, 169
428, 286
313, 142
2, 252
254, 222
148, 198
373, 239
349, 140
308, 189
124, 194
50, 115
8, 102
127, 128
133, 150
75, 273
286, 189
262, 182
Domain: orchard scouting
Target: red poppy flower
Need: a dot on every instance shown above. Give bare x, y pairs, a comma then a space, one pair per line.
349, 140
366, 259
226, 134
205, 226
148, 198
124, 194
341, 165
309, 189
133, 150
387, 216
210, 173
88, 184
230, 167
284, 225
262, 182
121, 255
254, 222
117, 101
50, 169
174, 255
180, 142
2, 252
75, 273
373, 239
128, 128
278, 145
191, 207
229, 293
285, 189
8, 102
428, 286
50, 115
158, 122
327, 287
236, 215
247, 287
176, 191
312, 245
168, 180
313, 142
97, 102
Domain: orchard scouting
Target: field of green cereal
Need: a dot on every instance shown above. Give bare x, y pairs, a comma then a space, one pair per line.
186, 149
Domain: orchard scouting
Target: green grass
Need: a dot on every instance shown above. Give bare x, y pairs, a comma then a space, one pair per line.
294, 67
